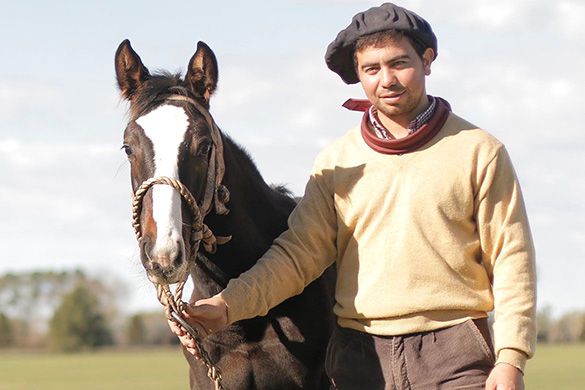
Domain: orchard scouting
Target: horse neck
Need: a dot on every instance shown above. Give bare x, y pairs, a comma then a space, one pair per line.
257, 215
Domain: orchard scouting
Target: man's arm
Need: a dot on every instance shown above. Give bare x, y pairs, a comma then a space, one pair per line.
296, 258
508, 255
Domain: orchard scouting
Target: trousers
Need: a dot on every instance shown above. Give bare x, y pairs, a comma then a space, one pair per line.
457, 357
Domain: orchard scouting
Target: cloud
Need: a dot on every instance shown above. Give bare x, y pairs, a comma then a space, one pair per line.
492, 13
68, 191
571, 15
31, 155
18, 96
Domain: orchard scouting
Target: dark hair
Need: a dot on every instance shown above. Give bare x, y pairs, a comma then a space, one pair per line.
382, 38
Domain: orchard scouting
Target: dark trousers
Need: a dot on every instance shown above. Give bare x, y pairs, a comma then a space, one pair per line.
458, 357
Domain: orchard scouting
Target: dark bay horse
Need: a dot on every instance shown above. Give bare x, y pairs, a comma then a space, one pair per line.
169, 133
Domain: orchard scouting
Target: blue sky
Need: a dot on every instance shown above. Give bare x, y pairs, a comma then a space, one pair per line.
513, 68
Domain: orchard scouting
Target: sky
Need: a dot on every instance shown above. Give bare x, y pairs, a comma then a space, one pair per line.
512, 68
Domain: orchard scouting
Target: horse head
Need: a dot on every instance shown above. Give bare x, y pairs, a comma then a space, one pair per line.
171, 134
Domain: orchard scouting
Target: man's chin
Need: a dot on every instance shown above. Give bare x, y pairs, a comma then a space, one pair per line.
390, 110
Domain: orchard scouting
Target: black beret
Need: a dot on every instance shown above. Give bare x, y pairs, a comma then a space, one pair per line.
339, 55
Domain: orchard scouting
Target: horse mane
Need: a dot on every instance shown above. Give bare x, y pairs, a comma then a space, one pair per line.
246, 162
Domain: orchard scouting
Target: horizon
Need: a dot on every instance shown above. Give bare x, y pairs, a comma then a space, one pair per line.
513, 69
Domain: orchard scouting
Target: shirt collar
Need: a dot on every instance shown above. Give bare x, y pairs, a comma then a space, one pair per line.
419, 121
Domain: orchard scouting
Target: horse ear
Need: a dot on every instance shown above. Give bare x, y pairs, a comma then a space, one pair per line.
202, 75
130, 71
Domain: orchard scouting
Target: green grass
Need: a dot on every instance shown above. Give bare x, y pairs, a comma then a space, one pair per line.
555, 367
139, 369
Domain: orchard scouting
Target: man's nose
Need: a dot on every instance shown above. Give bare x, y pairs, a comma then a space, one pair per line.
388, 77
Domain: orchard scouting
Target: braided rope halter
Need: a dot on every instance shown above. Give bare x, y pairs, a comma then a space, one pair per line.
215, 191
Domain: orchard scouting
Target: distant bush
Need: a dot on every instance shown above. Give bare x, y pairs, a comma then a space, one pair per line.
149, 329
136, 330
78, 322
6, 331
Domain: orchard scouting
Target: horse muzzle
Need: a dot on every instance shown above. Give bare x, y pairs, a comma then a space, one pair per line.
166, 265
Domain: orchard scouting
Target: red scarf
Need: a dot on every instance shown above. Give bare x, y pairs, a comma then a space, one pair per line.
406, 144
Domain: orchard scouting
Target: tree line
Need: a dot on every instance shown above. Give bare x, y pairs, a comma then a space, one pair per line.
568, 328
71, 311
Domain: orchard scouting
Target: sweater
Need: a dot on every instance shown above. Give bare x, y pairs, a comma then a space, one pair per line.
422, 241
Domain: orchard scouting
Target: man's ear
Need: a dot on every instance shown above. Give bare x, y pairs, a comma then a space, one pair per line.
427, 58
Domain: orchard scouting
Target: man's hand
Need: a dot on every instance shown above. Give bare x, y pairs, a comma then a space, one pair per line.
505, 377
206, 316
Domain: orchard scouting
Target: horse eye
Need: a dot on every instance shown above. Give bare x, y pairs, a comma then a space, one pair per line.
127, 149
203, 148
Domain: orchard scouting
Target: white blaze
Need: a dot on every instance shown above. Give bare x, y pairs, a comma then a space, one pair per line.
166, 127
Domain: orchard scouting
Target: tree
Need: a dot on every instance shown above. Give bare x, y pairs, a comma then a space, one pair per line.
136, 330
568, 328
78, 322
6, 331
29, 299
543, 324
149, 328
36, 294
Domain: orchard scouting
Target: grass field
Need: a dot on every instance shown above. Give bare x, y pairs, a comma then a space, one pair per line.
555, 367
158, 369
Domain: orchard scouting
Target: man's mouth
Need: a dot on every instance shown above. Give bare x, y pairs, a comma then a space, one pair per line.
391, 96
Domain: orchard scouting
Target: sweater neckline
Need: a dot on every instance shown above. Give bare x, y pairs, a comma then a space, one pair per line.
406, 144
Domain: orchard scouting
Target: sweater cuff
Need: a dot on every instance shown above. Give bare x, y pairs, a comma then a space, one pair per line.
233, 295
512, 357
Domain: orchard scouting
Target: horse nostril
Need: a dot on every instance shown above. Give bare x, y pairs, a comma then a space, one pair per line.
155, 267
178, 259
146, 245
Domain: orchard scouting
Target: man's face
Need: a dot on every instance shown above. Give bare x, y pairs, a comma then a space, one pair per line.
393, 78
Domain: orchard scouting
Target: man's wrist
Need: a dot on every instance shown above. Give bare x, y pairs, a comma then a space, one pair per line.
513, 358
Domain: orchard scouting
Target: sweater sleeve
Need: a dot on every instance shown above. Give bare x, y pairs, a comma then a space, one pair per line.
296, 258
508, 255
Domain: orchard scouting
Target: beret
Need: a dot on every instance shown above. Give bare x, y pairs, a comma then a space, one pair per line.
339, 55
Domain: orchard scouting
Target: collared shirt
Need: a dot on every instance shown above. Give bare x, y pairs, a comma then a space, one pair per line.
414, 125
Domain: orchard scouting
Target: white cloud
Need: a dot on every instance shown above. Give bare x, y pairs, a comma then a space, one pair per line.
17, 97
29, 155
571, 16
492, 13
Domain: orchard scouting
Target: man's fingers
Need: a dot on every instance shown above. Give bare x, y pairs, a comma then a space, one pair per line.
194, 352
175, 328
207, 315
200, 327
188, 342
194, 311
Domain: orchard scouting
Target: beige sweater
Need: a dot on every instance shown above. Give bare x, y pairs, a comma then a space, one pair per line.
422, 241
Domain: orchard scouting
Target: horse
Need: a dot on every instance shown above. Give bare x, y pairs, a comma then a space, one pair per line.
170, 133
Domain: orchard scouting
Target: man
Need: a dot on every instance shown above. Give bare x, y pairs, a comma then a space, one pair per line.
423, 215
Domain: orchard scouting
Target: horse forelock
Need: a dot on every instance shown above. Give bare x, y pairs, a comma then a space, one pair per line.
155, 91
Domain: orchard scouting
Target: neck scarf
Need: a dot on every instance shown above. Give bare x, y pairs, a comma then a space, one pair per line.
406, 144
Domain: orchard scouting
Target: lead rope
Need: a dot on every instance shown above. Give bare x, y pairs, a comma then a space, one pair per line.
174, 304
